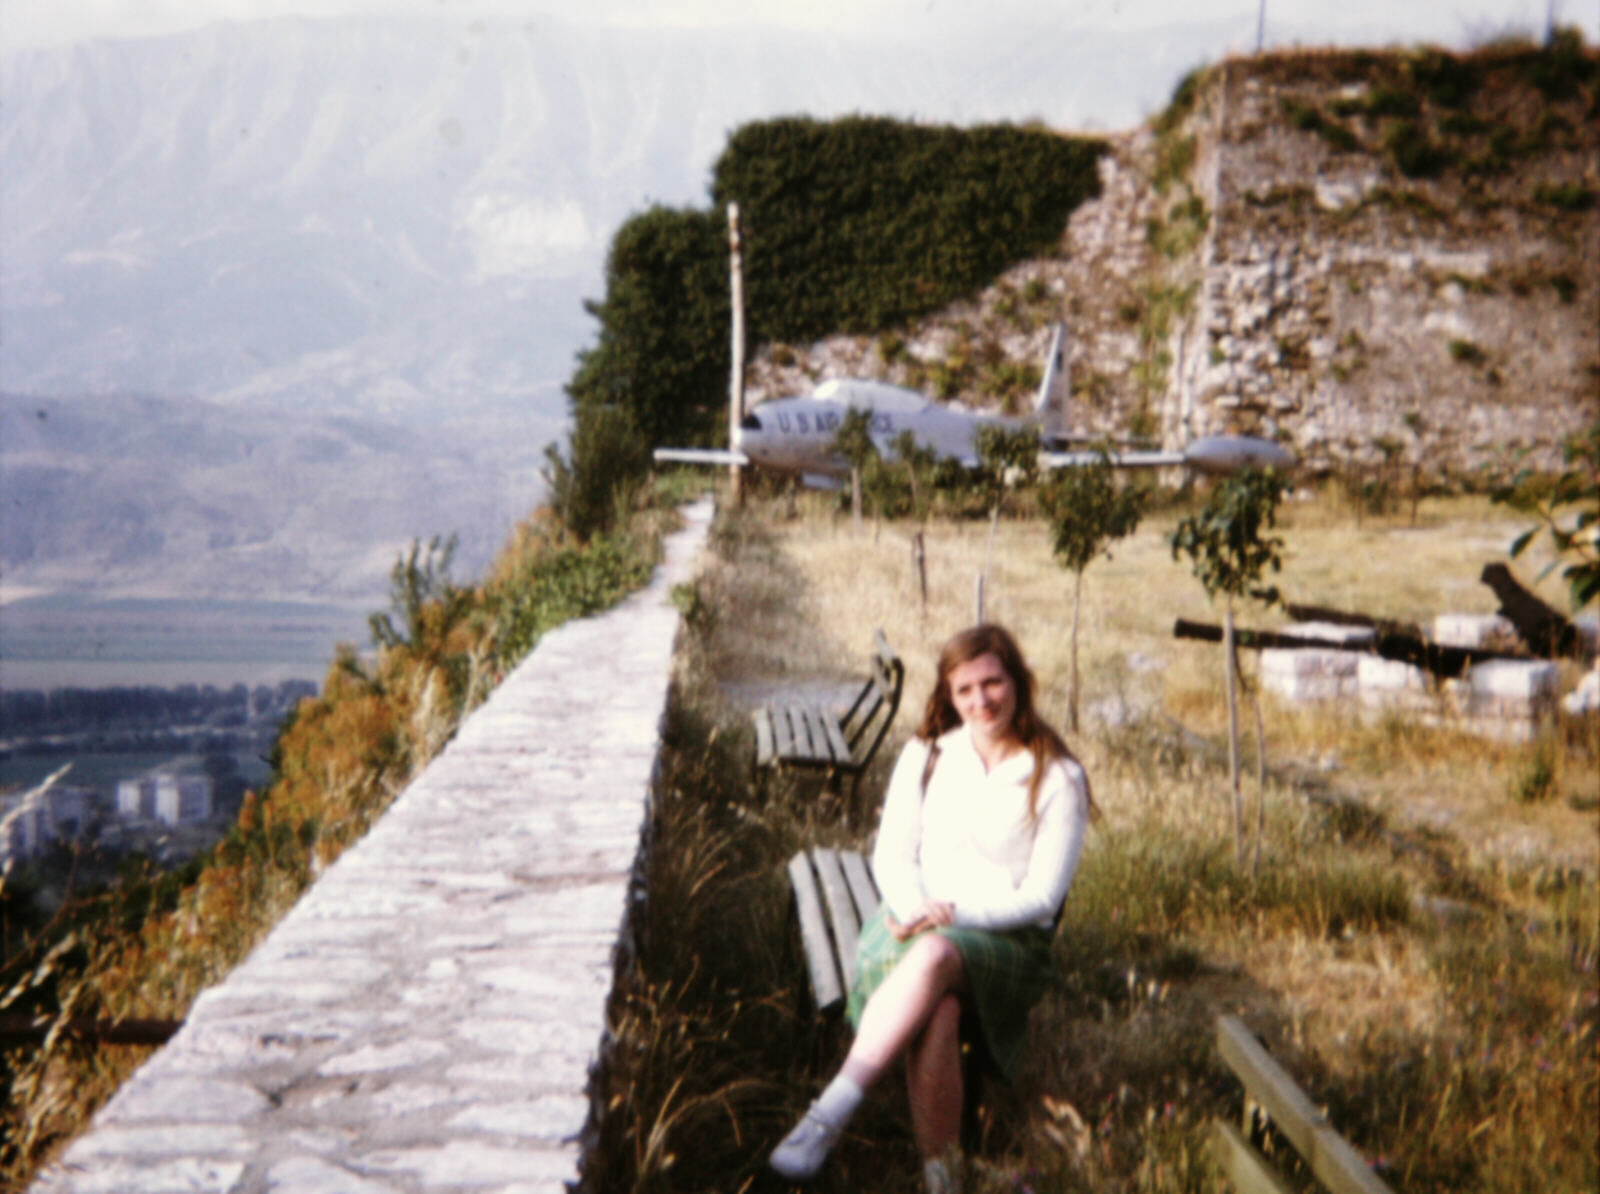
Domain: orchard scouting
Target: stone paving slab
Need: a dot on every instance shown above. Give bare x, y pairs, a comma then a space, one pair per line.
427, 1016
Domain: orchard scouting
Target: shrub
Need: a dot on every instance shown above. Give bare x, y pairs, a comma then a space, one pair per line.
1571, 195
605, 464
1391, 101
1413, 152
1536, 781
1182, 102
1174, 156
864, 223
1449, 80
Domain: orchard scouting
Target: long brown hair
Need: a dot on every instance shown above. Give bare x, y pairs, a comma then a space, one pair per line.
1035, 734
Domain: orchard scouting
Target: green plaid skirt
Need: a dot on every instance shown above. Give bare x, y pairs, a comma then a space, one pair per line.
1006, 972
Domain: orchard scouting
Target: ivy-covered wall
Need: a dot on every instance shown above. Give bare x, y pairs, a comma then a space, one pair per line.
861, 224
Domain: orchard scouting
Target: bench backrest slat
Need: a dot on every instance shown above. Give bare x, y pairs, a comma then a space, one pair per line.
827, 730
878, 703
1269, 1084
825, 980
886, 655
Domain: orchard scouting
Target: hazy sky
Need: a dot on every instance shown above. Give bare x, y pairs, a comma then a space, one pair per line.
1451, 22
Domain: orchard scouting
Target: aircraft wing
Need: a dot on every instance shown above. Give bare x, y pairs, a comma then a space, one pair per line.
1212, 454
1115, 459
700, 456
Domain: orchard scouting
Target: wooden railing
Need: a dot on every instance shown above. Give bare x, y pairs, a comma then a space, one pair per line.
1269, 1091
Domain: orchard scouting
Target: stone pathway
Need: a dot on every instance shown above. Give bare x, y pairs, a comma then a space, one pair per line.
426, 1017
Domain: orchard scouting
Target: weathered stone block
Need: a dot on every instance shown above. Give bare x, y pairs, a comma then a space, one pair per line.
1322, 674
1376, 674
1529, 681
1392, 684
1585, 698
1474, 631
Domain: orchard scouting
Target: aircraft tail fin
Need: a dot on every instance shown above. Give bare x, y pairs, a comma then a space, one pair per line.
1055, 388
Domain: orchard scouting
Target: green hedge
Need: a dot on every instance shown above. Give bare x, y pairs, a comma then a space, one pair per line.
864, 223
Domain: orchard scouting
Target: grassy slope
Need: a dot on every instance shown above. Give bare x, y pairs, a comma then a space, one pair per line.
147, 946
1424, 962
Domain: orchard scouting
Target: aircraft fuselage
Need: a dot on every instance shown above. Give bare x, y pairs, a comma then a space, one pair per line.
796, 434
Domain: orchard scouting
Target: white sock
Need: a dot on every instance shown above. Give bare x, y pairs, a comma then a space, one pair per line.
838, 1101
941, 1178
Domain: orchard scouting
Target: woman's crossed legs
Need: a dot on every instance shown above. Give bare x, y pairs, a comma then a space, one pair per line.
914, 1013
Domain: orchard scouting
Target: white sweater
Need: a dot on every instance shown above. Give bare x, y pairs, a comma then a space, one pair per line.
968, 842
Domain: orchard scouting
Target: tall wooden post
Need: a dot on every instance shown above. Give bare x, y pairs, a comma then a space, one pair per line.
736, 381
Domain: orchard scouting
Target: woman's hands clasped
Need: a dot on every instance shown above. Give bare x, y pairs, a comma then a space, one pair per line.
932, 914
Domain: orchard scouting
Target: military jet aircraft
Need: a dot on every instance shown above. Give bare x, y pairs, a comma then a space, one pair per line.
794, 435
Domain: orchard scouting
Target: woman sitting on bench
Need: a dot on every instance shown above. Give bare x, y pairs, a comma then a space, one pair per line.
981, 831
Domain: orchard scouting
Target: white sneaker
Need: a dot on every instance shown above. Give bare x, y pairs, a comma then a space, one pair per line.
800, 1155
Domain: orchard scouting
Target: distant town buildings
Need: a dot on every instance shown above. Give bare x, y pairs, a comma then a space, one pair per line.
42, 816
168, 797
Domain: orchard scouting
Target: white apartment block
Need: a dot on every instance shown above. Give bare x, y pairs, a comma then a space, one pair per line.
160, 796
183, 799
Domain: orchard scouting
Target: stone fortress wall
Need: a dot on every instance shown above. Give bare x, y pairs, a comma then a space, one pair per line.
1341, 302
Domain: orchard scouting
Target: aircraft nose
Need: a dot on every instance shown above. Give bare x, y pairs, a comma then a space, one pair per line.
747, 425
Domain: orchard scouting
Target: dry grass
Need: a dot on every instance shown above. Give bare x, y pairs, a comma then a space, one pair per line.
824, 586
1419, 948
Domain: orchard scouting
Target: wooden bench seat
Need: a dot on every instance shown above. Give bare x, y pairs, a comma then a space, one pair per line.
834, 895
803, 736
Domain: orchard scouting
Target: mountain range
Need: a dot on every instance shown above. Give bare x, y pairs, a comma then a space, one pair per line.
277, 297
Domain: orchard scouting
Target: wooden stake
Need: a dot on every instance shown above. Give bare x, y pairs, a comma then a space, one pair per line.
736, 381
1233, 734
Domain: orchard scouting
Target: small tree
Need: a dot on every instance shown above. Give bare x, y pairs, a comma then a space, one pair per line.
1087, 512
1008, 457
606, 464
419, 578
1569, 510
1229, 549
853, 441
919, 462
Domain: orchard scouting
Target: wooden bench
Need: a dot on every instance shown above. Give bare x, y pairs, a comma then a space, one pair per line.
803, 736
1271, 1096
834, 894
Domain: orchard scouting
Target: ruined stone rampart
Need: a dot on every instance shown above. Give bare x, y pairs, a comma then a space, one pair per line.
1378, 258
1361, 294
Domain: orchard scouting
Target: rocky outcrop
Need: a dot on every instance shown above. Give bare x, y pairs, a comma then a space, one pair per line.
1377, 258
